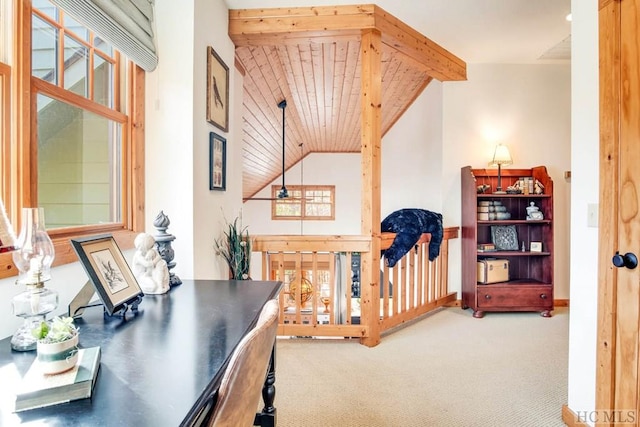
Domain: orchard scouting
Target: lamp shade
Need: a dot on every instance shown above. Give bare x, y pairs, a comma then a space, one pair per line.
501, 156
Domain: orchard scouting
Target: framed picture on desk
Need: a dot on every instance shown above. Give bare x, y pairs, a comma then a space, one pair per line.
108, 271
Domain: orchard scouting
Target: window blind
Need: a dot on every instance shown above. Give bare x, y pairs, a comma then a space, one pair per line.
126, 24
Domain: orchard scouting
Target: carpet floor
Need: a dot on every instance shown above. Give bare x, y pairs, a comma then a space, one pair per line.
447, 369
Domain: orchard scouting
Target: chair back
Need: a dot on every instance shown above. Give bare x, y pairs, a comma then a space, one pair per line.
241, 386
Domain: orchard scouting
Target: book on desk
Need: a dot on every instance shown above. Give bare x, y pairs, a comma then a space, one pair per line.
38, 390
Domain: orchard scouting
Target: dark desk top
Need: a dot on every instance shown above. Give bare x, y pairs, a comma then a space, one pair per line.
158, 368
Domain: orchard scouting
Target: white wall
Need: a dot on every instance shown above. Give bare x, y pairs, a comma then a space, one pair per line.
341, 170
169, 130
526, 107
412, 150
177, 156
584, 240
210, 207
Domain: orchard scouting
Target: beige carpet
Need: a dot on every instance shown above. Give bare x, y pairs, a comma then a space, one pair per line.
448, 369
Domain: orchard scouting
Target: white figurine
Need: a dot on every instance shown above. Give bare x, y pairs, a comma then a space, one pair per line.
149, 268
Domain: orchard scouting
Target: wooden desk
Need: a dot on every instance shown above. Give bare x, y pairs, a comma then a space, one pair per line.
159, 368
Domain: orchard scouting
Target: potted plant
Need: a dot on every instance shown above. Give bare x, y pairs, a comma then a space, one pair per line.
57, 345
235, 248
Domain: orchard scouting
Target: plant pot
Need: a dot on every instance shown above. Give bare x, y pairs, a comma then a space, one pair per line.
59, 356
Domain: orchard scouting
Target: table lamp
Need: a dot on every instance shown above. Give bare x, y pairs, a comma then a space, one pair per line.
33, 258
500, 157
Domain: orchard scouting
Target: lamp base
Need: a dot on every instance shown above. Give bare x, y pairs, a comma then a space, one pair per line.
499, 192
22, 339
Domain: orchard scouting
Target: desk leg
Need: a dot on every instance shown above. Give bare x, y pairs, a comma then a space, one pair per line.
267, 418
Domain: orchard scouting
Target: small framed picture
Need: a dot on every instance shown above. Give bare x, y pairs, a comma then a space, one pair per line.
108, 271
504, 237
536, 247
217, 162
217, 91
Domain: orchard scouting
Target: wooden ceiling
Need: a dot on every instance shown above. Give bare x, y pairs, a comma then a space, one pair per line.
311, 58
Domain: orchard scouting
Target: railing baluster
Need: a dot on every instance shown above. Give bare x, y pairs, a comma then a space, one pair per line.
414, 286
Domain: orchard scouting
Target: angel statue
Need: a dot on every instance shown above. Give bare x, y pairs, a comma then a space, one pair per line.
148, 267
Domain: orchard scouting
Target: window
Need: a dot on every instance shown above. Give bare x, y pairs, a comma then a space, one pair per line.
79, 168
316, 202
76, 141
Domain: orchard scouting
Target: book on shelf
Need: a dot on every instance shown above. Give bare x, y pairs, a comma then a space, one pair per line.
38, 389
486, 247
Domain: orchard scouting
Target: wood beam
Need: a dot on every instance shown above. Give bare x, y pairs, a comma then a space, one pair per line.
277, 26
440, 63
371, 141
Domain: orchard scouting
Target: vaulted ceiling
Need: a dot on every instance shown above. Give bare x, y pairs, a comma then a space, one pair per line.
311, 57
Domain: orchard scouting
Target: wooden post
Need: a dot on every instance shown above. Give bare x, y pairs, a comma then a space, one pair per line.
371, 136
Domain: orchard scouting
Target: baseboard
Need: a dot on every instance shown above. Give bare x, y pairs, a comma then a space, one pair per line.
571, 419
556, 303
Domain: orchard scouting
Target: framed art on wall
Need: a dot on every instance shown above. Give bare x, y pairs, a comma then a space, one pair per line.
107, 270
217, 162
217, 90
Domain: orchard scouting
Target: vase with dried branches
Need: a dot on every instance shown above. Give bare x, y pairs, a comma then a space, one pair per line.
235, 247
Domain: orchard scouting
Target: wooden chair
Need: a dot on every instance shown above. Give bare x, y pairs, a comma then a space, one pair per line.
241, 386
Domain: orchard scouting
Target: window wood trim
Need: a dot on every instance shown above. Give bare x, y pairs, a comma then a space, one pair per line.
21, 182
5, 137
302, 188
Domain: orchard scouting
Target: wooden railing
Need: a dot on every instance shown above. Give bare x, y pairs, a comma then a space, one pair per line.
321, 292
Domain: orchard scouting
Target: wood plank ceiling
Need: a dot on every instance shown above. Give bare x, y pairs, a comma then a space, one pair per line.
311, 58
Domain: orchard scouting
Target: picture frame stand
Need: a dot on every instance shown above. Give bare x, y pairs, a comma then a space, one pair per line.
83, 300
121, 312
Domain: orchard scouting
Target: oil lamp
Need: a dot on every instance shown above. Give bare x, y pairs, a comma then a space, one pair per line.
33, 257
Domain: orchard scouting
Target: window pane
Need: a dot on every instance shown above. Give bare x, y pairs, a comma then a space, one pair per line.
46, 8
78, 165
76, 65
104, 46
44, 49
288, 209
291, 206
102, 81
318, 203
77, 28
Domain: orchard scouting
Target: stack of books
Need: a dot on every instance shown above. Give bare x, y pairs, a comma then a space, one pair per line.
38, 389
486, 247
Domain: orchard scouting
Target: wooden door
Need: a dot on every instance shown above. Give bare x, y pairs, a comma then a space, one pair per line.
617, 386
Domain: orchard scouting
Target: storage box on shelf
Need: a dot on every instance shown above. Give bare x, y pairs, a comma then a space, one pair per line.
503, 222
